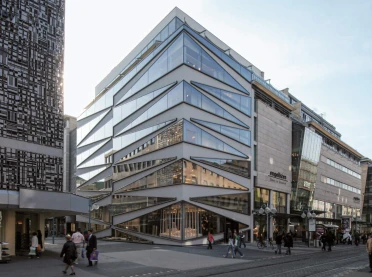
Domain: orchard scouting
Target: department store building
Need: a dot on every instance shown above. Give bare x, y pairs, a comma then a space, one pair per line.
185, 136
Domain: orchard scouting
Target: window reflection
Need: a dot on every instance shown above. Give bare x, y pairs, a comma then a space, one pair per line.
182, 172
261, 196
83, 130
235, 166
234, 202
240, 135
124, 170
179, 221
124, 204
280, 201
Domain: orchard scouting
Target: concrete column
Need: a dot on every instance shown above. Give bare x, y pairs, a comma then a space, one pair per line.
9, 230
41, 226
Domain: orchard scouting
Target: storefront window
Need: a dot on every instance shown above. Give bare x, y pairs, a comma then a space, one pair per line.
261, 196
234, 202
280, 201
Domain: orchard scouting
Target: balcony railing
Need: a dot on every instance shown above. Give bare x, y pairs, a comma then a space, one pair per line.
279, 93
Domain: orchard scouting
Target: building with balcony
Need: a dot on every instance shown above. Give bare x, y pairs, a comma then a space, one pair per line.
31, 120
185, 136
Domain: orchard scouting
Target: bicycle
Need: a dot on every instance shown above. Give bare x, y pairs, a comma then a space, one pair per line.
262, 244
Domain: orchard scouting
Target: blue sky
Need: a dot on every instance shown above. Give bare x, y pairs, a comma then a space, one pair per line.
320, 50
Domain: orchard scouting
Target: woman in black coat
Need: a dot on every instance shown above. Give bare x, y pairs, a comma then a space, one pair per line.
40, 240
288, 242
69, 250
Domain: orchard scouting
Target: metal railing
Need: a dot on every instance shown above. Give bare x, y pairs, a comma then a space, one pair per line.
279, 93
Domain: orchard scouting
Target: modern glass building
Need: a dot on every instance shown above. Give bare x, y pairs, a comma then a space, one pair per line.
185, 136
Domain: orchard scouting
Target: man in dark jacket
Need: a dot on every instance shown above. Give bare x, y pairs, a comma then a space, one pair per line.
278, 241
69, 251
91, 245
329, 240
288, 242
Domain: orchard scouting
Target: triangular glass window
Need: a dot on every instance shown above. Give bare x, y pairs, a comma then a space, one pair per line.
170, 136
240, 135
96, 186
198, 99
197, 58
88, 151
239, 202
82, 178
83, 131
240, 102
239, 167
104, 132
123, 111
119, 234
124, 170
182, 172
169, 60
180, 221
195, 135
127, 203
98, 158
121, 142
169, 100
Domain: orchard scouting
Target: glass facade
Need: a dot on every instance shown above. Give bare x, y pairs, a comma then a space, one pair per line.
124, 170
87, 151
239, 102
261, 197
82, 178
123, 111
123, 141
240, 135
182, 172
306, 146
239, 203
84, 129
338, 184
180, 221
125, 204
183, 92
238, 167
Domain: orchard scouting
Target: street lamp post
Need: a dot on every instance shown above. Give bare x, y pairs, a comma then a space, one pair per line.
267, 211
309, 215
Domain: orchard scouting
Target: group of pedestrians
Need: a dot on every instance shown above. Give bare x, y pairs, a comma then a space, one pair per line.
288, 243
72, 249
327, 238
235, 241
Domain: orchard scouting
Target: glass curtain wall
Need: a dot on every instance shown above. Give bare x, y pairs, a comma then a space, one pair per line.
181, 221
238, 167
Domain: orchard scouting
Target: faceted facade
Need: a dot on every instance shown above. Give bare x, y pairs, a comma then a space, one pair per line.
165, 149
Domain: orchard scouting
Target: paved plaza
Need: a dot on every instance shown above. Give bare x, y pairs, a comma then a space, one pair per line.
118, 259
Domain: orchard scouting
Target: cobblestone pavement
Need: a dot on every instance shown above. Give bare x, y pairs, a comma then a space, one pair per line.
118, 259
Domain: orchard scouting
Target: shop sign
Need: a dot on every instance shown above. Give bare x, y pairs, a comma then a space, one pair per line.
277, 177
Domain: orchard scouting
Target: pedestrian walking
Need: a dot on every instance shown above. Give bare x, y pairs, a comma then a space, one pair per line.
79, 241
278, 240
329, 240
69, 255
34, 244
323, 240
369, 251
242, 237
357, 239
230, 247
236, 245
91, 245
39, 242
210, 240
288, 242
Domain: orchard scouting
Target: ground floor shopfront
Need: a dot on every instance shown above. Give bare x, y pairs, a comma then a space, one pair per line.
26, 211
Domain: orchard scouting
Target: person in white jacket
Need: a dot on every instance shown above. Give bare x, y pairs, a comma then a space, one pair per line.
35, 243
230, 246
